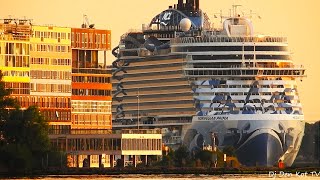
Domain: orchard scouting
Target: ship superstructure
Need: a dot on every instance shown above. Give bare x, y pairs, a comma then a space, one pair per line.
207, 85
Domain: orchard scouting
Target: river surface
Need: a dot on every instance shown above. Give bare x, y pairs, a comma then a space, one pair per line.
288, 176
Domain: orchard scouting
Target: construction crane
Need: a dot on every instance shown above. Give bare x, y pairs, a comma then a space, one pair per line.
86, 23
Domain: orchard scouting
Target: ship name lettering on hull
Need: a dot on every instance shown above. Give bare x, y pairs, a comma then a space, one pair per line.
215, 118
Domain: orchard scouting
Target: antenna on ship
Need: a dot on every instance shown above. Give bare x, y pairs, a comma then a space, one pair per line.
220, 14
251, 15
235, 7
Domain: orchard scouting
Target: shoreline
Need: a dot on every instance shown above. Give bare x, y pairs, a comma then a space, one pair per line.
69, 172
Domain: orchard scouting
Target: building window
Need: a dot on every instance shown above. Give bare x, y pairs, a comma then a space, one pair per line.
103, 38
98, 40
109, 39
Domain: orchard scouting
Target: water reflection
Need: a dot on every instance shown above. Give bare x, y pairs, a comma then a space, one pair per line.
175, 177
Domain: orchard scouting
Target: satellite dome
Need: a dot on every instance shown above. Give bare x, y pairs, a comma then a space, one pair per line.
185, 24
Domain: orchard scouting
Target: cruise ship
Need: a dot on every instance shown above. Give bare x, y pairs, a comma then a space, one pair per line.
206, 86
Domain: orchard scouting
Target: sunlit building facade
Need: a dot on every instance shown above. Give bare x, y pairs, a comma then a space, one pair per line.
15, 56
57, 69
50, 74
91, 86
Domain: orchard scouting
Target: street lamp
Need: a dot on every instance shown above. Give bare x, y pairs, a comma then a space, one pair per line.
138, 116
213, 138
214, 149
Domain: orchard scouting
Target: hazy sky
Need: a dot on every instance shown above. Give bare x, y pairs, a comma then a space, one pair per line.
296, 19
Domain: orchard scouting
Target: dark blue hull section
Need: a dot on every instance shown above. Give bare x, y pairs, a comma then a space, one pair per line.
262, 150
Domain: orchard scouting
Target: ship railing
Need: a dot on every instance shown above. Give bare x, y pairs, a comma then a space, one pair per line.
148, 100
168, 122
251, 66
244, 72
182, 40
289, 66
141, 131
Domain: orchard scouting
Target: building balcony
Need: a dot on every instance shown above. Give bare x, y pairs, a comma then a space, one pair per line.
96, 132
91, 71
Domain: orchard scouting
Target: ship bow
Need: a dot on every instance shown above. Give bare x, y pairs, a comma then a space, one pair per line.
263, 148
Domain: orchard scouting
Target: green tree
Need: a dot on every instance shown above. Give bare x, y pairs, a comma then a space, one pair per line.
317, 142
26, 137
205, 157
229, 151
23, 134
181, 156
167, 159
6, 103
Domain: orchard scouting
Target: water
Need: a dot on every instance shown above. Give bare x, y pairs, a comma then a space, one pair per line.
283, 176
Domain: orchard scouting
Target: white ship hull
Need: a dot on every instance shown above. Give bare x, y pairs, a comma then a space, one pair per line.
258, 139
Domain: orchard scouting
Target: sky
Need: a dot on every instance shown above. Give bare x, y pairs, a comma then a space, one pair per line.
296, 19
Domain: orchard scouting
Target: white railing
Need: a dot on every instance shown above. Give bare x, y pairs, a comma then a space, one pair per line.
227, 39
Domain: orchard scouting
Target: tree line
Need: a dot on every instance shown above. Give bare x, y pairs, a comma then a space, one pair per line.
310, 147
24, 137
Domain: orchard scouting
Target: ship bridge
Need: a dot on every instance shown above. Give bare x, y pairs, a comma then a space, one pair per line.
169, 20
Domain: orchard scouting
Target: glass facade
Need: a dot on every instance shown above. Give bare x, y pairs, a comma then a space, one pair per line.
44, 68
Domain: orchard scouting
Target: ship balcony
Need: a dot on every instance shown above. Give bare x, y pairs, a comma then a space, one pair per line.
290, 71
155, 85
156, 63
145, 52
158, 99
164, 123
